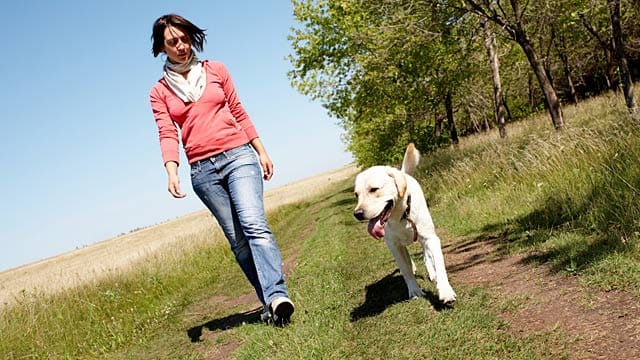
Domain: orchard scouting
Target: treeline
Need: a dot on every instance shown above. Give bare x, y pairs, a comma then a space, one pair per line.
399, 71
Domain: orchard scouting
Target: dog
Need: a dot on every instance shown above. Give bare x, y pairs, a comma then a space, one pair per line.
394, 204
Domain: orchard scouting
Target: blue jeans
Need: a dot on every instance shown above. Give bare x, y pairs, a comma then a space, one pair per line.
230, 185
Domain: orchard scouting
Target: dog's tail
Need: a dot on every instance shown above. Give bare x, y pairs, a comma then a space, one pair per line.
411, 159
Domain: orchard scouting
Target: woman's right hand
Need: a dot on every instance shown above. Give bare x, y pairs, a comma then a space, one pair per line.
174, 180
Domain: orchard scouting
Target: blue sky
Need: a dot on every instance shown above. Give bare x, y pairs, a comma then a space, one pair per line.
80, 147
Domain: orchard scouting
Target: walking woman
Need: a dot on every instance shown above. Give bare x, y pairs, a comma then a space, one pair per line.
197, 101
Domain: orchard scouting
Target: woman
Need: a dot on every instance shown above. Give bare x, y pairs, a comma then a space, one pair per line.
220, 143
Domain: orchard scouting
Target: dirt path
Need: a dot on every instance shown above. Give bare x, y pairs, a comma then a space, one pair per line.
600, 325
212, 330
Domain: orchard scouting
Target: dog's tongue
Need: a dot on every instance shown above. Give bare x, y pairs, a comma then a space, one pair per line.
376, 229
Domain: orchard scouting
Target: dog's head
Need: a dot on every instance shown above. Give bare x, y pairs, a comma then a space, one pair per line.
378, 190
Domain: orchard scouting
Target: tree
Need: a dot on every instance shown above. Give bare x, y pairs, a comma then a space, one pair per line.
494, 62
607, 48
393, 71
513, 23
381, 68
627, 83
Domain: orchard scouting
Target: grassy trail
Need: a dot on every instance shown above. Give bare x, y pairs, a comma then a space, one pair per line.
352, 304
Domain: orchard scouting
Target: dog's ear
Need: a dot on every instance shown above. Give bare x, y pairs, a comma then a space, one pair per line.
399, 179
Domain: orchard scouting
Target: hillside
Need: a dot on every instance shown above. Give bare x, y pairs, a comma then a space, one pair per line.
120, 253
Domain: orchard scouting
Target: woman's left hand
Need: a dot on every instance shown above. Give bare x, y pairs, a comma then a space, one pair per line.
265, 161
267, 166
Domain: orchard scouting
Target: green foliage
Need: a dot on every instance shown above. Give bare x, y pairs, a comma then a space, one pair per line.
383, 68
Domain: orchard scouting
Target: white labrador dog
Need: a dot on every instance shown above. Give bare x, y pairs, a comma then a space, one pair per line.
393, 202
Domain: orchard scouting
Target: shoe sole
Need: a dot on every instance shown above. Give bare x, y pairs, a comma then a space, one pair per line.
282, 313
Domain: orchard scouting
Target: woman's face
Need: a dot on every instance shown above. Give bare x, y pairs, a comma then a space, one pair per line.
177, 45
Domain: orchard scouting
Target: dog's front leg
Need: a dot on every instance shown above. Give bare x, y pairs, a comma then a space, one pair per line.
428, 262
406, 266
433, 250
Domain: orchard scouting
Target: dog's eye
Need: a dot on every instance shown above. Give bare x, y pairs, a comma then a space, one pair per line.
356, 195
372, 190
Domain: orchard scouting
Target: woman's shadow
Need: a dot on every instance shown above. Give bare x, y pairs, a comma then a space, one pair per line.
225, 323
386, 292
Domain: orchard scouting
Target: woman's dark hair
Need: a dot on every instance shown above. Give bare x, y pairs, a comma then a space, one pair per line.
197, 35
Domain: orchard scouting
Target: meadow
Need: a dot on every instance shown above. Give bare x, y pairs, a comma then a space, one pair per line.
560, 207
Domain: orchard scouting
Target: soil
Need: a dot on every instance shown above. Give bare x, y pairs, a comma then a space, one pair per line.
599, 324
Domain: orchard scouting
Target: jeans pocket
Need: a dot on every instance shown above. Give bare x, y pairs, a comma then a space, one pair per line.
241, 152
196, 169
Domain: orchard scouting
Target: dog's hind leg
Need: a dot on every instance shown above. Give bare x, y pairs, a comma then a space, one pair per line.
406, 266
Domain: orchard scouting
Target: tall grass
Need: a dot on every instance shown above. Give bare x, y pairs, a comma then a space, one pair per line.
568, 198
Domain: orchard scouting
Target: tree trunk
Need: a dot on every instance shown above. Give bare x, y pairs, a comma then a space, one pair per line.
410, 121
561, 48
550, 96
530, 89
546, 62
448, 103
506, 107
516, 30
494, 62
437, 128
606, 46
625, 75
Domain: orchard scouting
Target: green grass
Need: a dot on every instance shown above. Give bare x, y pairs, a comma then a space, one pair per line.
353, 306
568, 199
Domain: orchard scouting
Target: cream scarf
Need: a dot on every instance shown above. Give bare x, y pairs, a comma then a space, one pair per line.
191, 88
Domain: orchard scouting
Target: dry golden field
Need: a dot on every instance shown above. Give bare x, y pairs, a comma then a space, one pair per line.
119, 253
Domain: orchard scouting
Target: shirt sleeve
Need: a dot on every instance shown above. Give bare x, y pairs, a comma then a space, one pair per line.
167, 129
236, 108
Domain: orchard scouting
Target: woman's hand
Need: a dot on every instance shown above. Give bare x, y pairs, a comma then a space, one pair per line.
263, 157
174, 179
267, 166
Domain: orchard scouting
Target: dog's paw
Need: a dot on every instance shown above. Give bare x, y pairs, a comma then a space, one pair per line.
447, 295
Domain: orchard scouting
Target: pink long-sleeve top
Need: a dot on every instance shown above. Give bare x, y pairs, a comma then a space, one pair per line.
215, 123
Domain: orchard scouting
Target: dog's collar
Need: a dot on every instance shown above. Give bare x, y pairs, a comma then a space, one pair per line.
408, 209
405, 216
